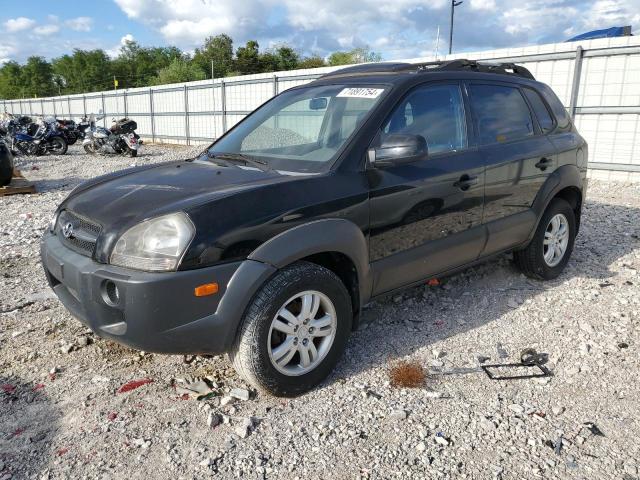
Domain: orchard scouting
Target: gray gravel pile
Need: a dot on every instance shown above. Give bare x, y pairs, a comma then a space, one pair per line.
68, 410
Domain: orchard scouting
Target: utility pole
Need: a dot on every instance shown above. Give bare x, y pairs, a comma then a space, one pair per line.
454, 4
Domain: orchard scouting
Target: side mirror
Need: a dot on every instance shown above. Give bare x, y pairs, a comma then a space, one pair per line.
319, 103
397, 149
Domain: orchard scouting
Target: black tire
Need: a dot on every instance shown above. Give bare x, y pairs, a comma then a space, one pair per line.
57, 146
531, 259
250, 355
132, 153
6, 165
88, 147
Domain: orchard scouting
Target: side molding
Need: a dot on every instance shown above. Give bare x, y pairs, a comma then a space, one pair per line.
327, 235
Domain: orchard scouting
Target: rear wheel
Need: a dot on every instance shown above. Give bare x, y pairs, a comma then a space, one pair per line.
549, 251
294, 331
57, 146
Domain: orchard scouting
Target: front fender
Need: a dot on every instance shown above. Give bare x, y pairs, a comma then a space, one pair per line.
320, 236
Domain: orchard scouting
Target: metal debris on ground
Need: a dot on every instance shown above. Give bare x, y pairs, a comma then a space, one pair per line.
531, 361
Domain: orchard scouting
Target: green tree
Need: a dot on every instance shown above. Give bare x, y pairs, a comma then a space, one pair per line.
340, 58
37, 78
357, 55
83, 71
135, 66
179, 71
219, 50
287, 58
248, 58
312, 62
11, 80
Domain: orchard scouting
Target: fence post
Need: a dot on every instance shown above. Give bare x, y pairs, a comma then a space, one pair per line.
104, 111
69, 106
84, 105
575, 86
153, 123
186, 113
213, 105
223, 105
124, 95
42, 106
275, 92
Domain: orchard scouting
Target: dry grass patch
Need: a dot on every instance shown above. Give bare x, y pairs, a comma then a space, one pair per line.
407, 374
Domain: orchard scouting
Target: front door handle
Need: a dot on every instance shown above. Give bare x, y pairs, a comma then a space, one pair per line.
543, 163
466, 182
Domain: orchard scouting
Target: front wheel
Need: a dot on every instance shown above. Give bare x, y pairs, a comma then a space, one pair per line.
57, 146
132, 152
549, 251
294, 331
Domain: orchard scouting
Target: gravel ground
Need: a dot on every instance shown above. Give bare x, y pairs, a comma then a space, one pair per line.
62, 414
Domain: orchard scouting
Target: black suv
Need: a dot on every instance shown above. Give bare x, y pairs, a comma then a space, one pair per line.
370, 179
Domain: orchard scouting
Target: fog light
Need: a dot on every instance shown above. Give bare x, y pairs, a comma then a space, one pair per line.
111, 293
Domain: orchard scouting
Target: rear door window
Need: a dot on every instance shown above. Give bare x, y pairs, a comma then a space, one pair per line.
540, 109
501, 113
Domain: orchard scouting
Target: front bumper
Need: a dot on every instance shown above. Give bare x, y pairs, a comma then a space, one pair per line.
154, 312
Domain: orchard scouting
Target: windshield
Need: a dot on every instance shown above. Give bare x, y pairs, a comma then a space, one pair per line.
301, 130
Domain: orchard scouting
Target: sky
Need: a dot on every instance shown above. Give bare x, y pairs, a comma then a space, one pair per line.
395, 28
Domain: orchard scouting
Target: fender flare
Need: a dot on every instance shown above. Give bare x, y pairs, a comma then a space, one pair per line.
320, 236
563, 177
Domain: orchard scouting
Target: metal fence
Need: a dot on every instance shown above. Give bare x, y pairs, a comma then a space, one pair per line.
598, 81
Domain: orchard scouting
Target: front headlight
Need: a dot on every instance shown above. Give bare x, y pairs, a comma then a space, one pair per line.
155, 245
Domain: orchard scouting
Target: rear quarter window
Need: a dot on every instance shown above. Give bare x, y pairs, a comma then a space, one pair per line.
540, 109
561, 114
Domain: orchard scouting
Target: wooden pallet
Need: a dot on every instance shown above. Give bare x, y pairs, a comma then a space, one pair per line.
18, 184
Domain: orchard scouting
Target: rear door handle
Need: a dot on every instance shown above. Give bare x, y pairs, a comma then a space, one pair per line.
465, 182
543, 163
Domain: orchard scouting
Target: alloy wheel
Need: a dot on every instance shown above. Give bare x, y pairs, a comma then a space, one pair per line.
556, 240
301, 333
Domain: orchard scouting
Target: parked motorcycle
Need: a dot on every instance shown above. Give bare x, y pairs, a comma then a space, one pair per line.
45, 138
68, 129
121, 138
82, 127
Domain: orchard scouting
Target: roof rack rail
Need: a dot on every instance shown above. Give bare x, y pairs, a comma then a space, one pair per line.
478, 66
450, 65
377, 67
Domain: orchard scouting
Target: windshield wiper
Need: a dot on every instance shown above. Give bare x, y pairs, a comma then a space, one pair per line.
241, 158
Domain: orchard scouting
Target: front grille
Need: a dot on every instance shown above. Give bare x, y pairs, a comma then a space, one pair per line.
77, 233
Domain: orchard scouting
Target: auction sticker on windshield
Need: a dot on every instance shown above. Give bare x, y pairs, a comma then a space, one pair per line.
361, 92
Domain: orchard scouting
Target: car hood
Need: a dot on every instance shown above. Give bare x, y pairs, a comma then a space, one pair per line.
121, 199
